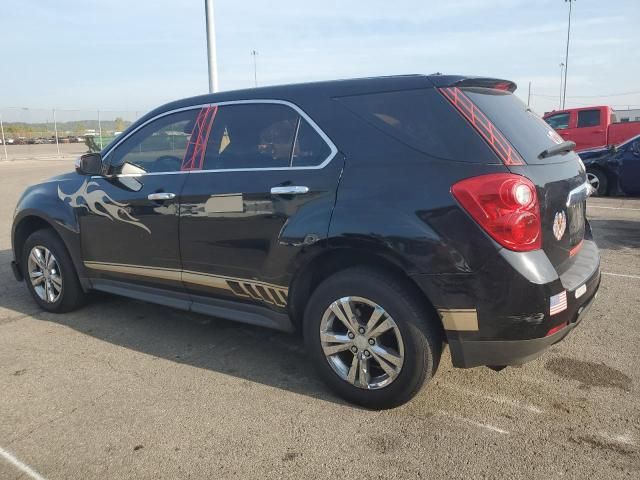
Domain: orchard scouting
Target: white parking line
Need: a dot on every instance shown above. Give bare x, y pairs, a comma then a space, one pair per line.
26, 469
614, 208
502, 400
484, 426
621, 275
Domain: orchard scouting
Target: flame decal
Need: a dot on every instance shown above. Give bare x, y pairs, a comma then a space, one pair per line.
99, 203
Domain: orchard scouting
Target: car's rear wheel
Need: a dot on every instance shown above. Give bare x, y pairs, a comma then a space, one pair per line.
598, 181
49, 273
371, 338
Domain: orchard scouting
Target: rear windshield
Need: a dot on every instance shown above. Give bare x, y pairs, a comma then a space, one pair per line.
525, 130
424, 120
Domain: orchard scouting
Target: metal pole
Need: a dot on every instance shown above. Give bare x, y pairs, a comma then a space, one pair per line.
529, 96
100, 129
55, 129
566, 58
254, 54
560, 97
4, 142
211, 47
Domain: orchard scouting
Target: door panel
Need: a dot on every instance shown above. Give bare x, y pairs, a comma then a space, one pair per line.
129, 237
630, 169
237, 236
238, 240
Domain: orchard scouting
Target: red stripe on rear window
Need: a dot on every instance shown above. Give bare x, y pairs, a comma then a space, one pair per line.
482, 125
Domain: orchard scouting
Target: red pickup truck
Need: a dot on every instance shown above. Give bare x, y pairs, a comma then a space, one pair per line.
604, 146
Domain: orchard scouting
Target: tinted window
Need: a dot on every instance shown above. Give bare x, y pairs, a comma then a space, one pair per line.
588, 118
157, 147
424, 120
309, 148
251, 136
559, 121
525, 130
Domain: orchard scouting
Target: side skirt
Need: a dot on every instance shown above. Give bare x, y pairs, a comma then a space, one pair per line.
215, 307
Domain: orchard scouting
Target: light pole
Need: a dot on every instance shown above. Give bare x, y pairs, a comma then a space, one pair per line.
211, 47
566, 58
560, 98
254, 54
4, 141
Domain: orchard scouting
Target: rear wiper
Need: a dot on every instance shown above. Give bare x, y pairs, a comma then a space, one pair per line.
563, 147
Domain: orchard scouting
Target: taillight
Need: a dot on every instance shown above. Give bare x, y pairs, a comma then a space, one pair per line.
505, 206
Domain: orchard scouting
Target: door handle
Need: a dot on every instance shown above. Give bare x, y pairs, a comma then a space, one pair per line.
161, 196
289, 190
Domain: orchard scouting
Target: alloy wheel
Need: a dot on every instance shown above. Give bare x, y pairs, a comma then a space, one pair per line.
362, 342
594, 181
44, 274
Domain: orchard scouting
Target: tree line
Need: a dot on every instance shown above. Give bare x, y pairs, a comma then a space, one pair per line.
71, 128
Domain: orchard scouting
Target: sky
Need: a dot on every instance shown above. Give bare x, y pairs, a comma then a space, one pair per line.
133, 55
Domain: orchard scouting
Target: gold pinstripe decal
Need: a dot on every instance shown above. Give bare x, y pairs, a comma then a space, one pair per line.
278, 292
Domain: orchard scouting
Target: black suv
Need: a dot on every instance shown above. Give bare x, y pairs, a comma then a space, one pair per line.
382, 217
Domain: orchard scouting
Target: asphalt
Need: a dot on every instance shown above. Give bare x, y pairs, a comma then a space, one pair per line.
124, 389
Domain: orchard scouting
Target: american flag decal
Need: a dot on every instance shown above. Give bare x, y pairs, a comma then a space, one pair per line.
558, 303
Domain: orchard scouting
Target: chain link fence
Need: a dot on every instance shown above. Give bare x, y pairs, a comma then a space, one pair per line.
34, 133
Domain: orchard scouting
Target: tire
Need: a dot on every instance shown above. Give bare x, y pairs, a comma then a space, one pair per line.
414, 323
598, 180
68, 294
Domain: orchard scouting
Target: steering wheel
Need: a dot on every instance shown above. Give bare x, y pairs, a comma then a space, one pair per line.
167, 163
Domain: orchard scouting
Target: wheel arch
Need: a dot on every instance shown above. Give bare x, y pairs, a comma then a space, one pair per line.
334, 260
30, 222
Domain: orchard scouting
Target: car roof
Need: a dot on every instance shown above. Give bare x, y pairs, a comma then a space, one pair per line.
298, 92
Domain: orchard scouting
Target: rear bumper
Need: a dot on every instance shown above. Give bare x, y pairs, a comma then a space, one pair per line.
501, 315
467, 354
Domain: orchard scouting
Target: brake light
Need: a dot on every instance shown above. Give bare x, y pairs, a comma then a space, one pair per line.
483, 126
505, 206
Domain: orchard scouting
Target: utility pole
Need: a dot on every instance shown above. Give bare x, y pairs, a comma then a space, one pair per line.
560, 97
211, 47
55, 128
254, 54
100, 129
566, 58
4, 141
529, 96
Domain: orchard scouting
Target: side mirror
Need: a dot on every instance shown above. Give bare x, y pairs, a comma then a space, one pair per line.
89, 164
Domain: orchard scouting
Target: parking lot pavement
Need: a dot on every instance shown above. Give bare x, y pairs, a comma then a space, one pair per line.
123, 389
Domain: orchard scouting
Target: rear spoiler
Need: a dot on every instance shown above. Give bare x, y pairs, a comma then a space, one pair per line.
442, 81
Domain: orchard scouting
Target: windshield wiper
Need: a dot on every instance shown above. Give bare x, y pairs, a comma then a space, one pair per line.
564, 147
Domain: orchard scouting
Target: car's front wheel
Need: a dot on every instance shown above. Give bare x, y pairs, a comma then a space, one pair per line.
372, 339
49, 273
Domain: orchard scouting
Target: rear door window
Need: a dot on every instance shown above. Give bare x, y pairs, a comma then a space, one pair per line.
251, 136
309, 149
588, 118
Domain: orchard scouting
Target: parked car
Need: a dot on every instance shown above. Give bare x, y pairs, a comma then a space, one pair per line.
609, 150
382, 217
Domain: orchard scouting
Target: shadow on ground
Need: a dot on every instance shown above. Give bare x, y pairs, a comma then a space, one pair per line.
251, 353
612, 234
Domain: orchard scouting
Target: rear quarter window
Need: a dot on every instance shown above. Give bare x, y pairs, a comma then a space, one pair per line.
424, 120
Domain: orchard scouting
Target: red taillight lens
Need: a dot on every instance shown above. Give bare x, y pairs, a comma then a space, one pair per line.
505, 206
